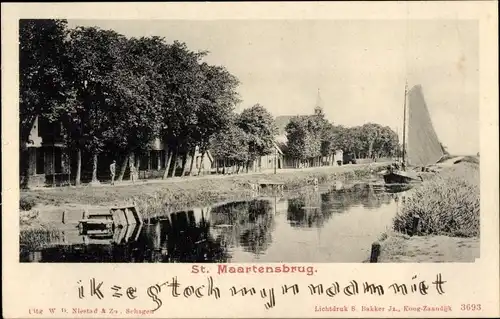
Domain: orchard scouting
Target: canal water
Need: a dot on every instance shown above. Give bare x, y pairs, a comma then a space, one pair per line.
316, 225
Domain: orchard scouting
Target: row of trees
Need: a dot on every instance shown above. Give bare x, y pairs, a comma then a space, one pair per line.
248, 136
118, 94
367, 141
312, 137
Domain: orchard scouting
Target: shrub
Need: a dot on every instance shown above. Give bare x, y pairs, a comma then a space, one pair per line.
26, 203
447, 204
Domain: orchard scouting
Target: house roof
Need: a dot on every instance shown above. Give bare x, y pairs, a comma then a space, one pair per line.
278, 148
281, 122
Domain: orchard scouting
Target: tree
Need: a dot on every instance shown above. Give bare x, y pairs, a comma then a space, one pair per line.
370, 135
353, 141
43, 71
338, 135
388, 144
94, 56
298, 138
216, 106
331, 140
180, 76
231, 145
368, 140
43, 76
304, 135
136, 96
258, 124
315, 126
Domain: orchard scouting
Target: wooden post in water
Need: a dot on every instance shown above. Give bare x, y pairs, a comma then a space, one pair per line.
35, 256
416, 220
375, 252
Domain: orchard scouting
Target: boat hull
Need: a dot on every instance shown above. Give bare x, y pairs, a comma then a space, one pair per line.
397, 188
399, 177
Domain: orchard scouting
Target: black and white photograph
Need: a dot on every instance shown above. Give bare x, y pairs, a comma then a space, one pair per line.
249, 141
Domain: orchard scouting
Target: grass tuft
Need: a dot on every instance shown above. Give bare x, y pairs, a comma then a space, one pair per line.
36, 237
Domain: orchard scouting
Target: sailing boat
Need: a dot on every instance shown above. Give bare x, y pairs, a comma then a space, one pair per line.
423, 147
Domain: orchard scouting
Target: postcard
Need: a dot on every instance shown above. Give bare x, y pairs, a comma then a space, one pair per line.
250, 160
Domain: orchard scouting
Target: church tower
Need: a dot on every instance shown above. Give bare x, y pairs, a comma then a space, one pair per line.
318, 109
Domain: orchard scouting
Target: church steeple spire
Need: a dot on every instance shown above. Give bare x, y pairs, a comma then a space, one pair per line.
318, 109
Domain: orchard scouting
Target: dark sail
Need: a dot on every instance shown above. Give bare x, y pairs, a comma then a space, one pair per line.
423, 147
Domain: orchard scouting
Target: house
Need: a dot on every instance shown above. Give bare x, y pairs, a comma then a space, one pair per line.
338, 157
201, 164
43, 158
270, 161
281, 140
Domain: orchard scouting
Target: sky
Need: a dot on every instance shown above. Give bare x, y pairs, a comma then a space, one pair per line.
359, 66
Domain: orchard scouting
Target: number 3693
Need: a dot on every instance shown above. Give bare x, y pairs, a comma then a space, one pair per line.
470, 307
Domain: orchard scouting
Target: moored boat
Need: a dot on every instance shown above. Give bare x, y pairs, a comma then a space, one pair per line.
422, 148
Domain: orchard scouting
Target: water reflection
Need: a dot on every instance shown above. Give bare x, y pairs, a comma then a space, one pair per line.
246, 224
265, 229
312, 209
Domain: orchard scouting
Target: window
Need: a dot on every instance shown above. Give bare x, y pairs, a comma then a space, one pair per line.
40, 161
144, 161
39, 126
153, 159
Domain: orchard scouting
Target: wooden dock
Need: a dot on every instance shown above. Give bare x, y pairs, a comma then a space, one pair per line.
110, 224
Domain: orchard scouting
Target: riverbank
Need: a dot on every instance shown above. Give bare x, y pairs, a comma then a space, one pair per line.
446, 207
154, 197
398, 248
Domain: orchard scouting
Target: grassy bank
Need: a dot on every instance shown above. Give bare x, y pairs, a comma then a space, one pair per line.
447, 208
154, 197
